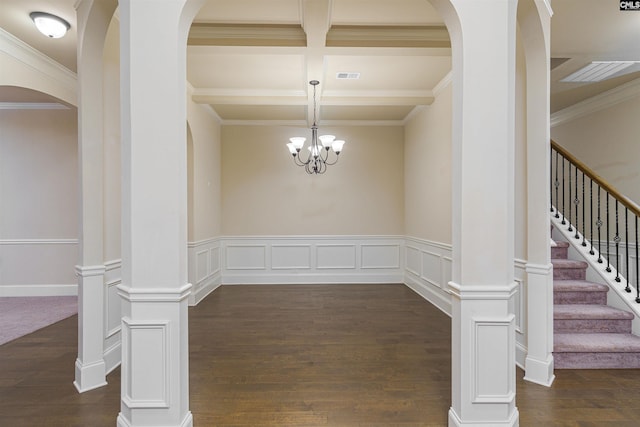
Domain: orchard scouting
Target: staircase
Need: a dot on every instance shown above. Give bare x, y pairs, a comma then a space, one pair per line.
588, 334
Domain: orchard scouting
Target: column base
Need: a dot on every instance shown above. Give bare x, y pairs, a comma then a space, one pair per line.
539, 371
186, 422
89, 376
455, 421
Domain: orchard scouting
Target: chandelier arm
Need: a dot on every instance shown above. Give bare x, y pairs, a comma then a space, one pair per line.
334, 162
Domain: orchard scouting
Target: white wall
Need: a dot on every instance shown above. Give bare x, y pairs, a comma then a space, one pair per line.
39, 209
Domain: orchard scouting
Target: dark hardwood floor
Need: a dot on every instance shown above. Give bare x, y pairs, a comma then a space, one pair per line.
309, 355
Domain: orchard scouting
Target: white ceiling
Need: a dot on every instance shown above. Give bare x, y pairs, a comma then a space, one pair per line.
252, 60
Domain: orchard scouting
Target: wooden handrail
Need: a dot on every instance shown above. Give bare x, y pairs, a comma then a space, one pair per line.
599, 180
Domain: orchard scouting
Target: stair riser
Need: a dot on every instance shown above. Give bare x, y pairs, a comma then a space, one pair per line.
592, 326
596, 360
559, 253
569, 273
599, 298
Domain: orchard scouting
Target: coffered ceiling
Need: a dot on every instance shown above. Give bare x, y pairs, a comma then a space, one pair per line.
251, 60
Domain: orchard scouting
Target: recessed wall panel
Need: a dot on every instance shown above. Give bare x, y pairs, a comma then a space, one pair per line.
246, 257
380, 256
290, 257
336, 256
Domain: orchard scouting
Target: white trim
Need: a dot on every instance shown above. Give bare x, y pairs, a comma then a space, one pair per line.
442, 84
596, 103
33, 58
7, 242
28, 290
312, 259
32, 106
154, 294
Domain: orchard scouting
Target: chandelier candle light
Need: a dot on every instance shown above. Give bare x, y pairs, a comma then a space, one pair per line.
317, 160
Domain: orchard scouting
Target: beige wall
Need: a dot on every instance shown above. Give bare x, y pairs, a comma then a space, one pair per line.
520, 156
205, 175
39, 204
427, 172
608, 142
39, 174
263, 193
112, 164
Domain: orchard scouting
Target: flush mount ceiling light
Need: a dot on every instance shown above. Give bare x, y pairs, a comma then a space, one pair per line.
598, 71
50, 25
318, 158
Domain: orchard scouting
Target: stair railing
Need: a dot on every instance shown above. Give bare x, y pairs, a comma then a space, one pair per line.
574, 190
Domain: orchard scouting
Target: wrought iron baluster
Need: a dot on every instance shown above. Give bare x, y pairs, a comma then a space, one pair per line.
563, 198
556, 183
584, 218
550, 183
616, 239
626, 239
591, 251
570, 200
637, 265
576, 202
607, 230
599, 225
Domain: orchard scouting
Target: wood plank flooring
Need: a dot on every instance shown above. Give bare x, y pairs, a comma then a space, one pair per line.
307, 355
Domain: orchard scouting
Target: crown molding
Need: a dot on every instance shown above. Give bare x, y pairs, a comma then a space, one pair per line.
33, 58
597, 103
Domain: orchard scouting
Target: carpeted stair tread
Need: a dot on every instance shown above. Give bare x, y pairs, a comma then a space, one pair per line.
568, 263
578, 285
596, 343
589, 311
562, 244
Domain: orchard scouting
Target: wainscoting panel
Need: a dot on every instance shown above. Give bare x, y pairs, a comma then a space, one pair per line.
246, 257
38, 267
336, 256
380, 256
204, 268
112, 314
290, 257
428, 270
312, 259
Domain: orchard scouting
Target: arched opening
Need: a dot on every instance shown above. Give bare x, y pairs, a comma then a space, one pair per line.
38, 231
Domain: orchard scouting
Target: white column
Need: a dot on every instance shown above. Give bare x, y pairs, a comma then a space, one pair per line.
534, 17
483, 285
154, 290
90, 368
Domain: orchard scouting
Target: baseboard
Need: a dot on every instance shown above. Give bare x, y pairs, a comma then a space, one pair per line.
38, 290
112, 357
521, 355
430, 293
309, 279
205, 289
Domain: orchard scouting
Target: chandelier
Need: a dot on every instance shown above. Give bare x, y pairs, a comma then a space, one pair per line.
317, 160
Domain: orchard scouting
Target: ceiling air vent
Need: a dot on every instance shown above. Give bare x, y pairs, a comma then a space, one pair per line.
598, 70
347, 76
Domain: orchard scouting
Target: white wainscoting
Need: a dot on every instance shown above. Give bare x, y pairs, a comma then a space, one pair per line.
204, 268
38, 267
519, 309
312, 259
112, 314
428, 271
